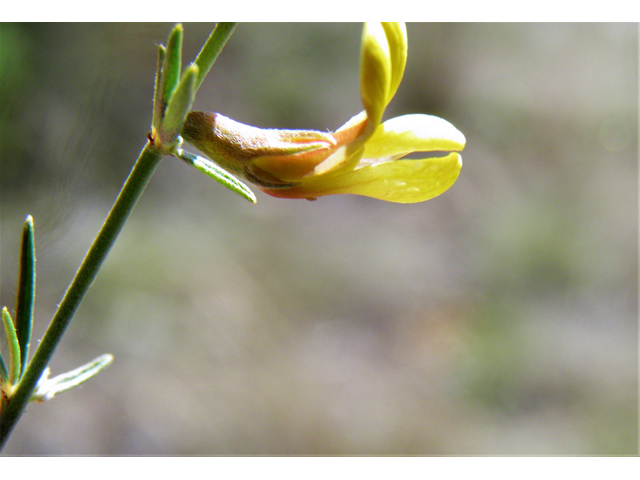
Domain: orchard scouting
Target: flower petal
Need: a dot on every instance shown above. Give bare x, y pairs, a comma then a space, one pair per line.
401, 181
413, 133
382, 61
375, 71
397, 39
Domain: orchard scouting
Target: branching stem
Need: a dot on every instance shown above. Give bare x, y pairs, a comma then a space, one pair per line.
134, 186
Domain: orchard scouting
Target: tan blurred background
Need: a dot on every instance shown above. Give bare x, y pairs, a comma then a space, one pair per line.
498, 318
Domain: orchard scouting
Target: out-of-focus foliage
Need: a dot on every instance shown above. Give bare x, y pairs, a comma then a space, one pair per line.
499, 318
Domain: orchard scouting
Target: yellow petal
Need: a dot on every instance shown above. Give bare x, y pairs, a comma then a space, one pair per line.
375, 71
413, 133
396, 34
401, 181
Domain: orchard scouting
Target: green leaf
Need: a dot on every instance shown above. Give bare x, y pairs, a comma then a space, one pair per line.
26, 291
4, 374
212, 48
14, 347
219, 175
47, 388
157, 92
171, 67
179, 106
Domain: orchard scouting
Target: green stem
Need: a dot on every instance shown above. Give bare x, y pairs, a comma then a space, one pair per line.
212, 48
134, 186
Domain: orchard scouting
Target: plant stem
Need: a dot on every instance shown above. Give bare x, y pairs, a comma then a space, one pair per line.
134, 186
212, 48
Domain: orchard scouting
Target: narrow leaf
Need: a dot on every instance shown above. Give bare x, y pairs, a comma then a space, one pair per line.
26, 292
4, 374
157, 93
48, 388
212, 48
171, 67
218, 174
14, 347
179, 106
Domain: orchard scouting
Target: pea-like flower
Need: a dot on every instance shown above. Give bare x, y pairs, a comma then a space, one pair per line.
363, 157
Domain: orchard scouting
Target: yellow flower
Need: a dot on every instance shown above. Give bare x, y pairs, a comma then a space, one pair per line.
363, 157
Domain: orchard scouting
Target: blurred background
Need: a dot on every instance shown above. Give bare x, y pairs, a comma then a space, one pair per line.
498, 318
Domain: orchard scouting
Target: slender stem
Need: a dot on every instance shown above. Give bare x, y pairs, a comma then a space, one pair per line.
167, 78
134, 186
212, 48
